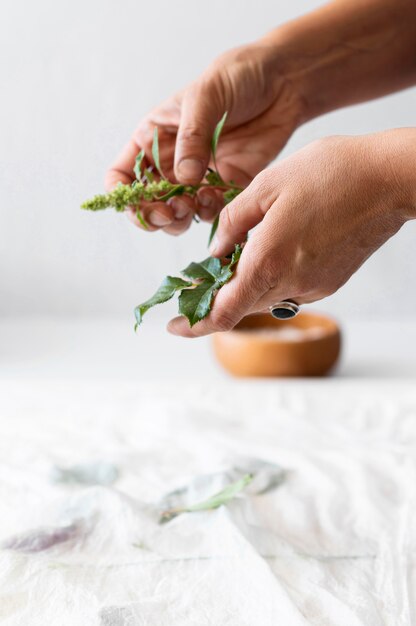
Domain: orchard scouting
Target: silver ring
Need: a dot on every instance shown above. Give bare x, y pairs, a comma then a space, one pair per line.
284, 310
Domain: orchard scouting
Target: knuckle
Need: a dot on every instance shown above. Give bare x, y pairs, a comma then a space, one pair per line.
303, 284
269, 273
226, 220
241, 55
264, 187
190, 133
262, 178
221, 320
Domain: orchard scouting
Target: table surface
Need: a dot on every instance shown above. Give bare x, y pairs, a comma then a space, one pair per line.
35, 348
333, 544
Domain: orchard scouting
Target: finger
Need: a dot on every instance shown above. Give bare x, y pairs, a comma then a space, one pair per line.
210, 203
132, 216
199, 116
243, 213
155, 214
182, 206
274, 296
122, 168
179, 226
144, 136
232, 302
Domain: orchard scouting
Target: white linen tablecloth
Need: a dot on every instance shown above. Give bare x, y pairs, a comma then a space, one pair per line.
333, 545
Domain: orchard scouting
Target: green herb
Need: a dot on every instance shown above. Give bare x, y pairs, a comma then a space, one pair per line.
148, 176
147, 187
141, 218
214, 228
177, 190
196, 295
165, 292
195, 304
138, 165
155, 151
214, 502
213, 178
216, 137
195, 298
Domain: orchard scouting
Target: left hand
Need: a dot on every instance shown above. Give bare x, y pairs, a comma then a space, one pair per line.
264, 107
320, 214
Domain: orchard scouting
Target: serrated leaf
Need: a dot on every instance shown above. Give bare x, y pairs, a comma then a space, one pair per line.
214, 502
194, 301
209, 269
216, 136
166, 291
155, 151
138, 165
195, 304
228, 270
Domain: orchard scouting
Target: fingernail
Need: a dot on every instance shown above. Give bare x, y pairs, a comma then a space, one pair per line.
180, 207
214, 245
159, 219
191, 168
206, 201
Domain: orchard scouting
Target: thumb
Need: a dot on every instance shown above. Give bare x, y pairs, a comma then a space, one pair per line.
199, 116
241, 215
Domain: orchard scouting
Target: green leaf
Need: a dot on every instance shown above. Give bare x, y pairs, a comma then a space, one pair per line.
138, 165
214, 502
213, 229
177, 190
149, 175
195, 304
141, 219
214, 179
165, 292
228, 270
224, 496
209, 269
216, 136
155, 151
230, 194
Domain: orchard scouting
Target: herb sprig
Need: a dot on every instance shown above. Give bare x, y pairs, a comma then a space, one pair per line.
203, 279
214, 502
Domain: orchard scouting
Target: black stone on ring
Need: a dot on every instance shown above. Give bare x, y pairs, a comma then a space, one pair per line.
284, 310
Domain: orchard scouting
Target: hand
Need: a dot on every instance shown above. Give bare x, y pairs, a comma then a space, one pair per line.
263, 111
320, 214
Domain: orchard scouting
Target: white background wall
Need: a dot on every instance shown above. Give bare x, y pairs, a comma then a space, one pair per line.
75, 79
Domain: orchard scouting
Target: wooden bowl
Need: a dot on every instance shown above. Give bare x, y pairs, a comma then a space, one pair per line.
306, 345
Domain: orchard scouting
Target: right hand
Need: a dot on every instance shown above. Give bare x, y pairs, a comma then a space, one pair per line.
263, 107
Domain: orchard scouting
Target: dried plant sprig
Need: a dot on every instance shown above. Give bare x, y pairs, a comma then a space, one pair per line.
221, 498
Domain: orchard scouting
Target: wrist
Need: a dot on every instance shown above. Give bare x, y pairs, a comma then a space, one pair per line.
303, 52
346, 52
